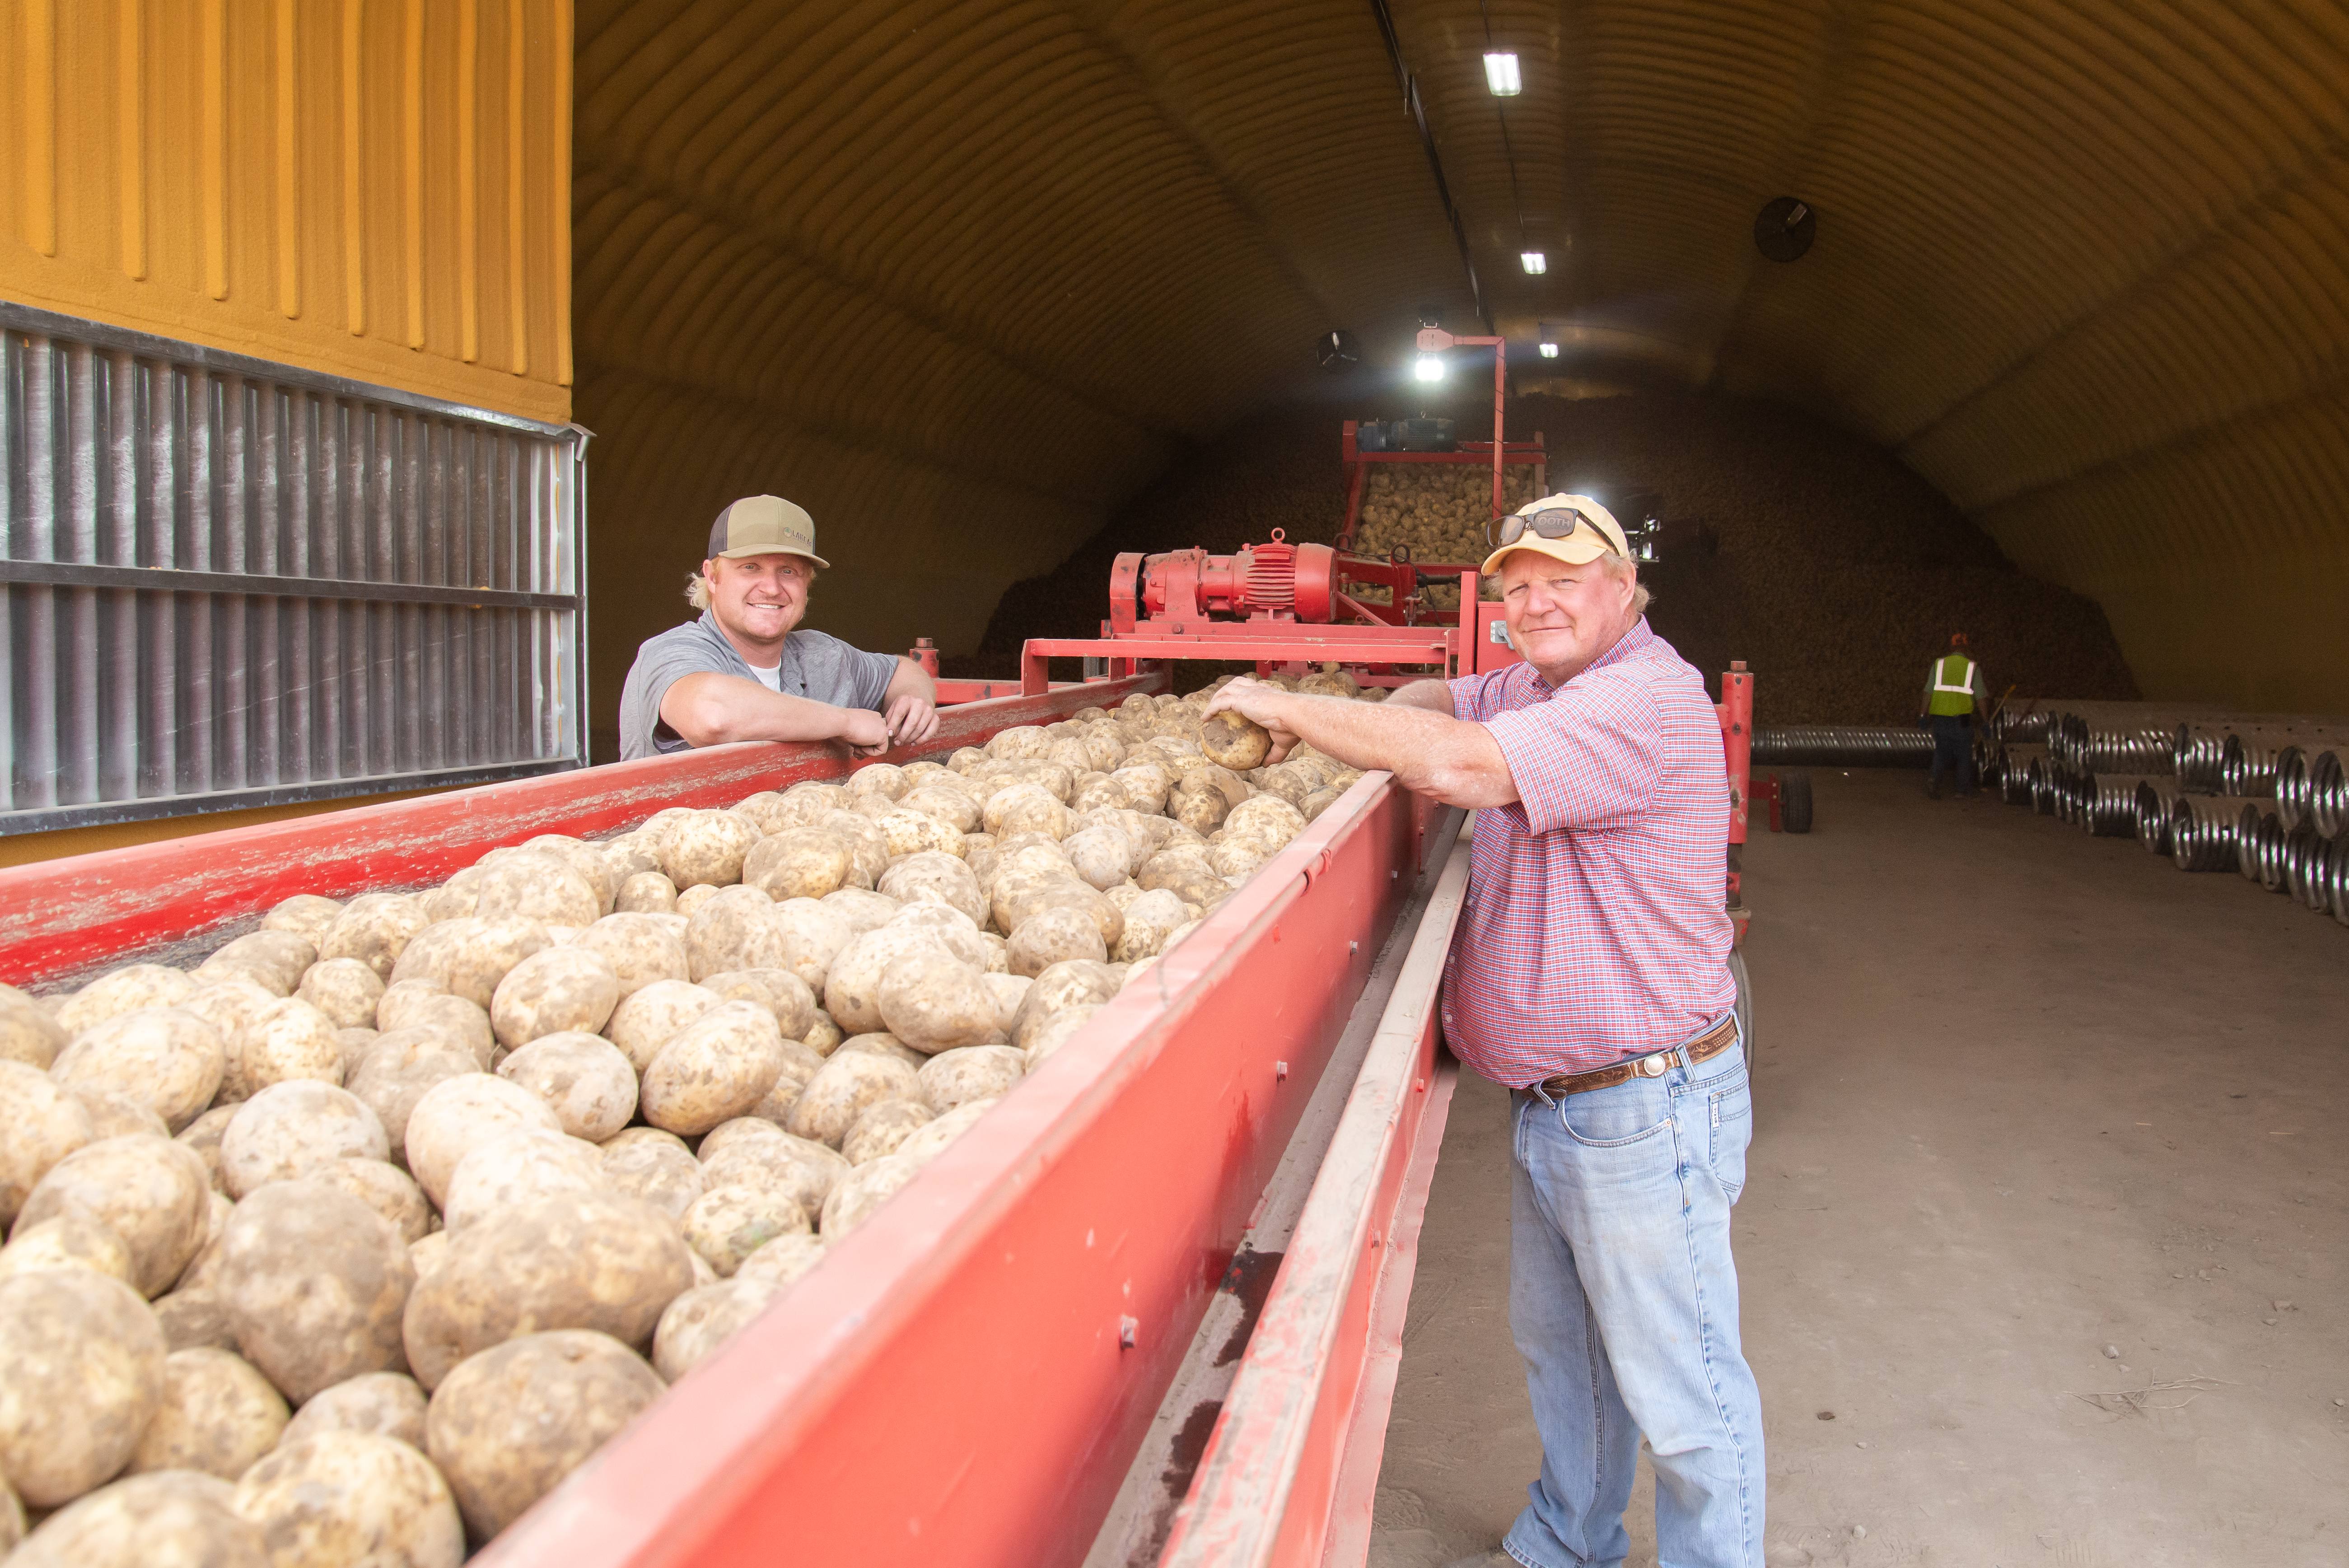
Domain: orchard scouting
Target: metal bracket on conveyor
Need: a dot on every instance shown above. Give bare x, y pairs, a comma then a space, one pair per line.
1339, 1220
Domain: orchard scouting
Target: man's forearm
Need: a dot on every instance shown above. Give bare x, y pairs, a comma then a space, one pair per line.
1430, 751
713, 709
910, 680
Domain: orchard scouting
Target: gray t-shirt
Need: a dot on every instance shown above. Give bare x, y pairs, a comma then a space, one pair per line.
818, 667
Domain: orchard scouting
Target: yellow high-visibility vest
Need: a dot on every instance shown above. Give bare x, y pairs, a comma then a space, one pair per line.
1953, 684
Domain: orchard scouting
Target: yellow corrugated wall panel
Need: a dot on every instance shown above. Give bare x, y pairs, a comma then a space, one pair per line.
376, 189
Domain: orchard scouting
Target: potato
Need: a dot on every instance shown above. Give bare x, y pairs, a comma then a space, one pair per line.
948, 803
274, 960
863, 1193
706, 848
41, 1122
1048, 1032
1025, 809
203, 1272
356, 1043
798, 1167
305, 914
151, 1191
645, 892
823, 1037
908, 832
194, 1319
72, 1240
638, 950
1235, 741
555, 992
848, 1082
428, 1252
457, 899
165, 1059
314, 1283
656, 1166
458, 1115
813, 934
799, 863
780, 991
385, 1188
490, 952
1071, 894
218, 1414
1318, 801
515, 1166
852, 990
400, 1068
942, 876
934, 1001
715, 1069
345, 989
1149, 919
1054, 936
650, 1019
132, 988
1101, 855
285, 1042
512, 1422
782, 1263
27, 1033
230, 1005
535, 885
1005, 992
726, 1224
115, 1115
169, 1518
956, 1078
386, 1404
804, 803
289, 1130
742, 1129
735, 929
881, 1043
700, 1321
1182, 871
588, 860
352, 1497
85, 1374
881, 1127
584, 1079
567, 1260
374, 928
458, 1021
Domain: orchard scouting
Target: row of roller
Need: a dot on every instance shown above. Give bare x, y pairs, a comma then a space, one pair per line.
2266, 796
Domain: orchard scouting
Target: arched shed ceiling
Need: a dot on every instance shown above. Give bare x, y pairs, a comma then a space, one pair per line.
962, 276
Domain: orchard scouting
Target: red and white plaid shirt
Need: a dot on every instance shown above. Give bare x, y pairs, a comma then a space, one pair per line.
1595, 928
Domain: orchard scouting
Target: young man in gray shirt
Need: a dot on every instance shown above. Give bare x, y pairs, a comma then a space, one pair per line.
742, 672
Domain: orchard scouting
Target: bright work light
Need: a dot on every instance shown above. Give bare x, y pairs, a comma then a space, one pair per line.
1429, 367
1501, 74
1550, 351
1535, 262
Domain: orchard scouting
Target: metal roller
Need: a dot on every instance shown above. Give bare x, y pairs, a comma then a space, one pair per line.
2153, 800
2202, 832
2107, 804
1842, 745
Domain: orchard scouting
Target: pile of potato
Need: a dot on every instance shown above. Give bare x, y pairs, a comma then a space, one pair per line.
352, 1242
1440, 510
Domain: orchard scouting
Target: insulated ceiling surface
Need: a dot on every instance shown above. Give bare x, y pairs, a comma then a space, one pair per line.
962, 277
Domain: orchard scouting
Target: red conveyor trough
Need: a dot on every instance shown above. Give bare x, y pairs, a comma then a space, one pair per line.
966, 1378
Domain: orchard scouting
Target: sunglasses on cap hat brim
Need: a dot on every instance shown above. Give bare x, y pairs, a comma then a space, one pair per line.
1550, 522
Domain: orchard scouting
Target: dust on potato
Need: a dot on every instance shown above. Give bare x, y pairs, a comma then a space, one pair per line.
410, 1006
314, 1283
509, 1424
289, 1130
736, 928
66, 1240
568, 1260
726, 1224
218, 1414
537, 886
847, 1083
458, 1115
956, 1078
943, 876
518, 1166
798, 1167
799, 863
649, 1020
656, 1166
345, 989
373, 928
706, 848
639, 950
151, 1191
131, 989
645, 892
585, 1080
41, 1122
169, 1517
84, 1360
934, 1001
715, 1069
562, 989
352, 1497
283, 1042
780, 991
385, 1188
881, 1127
400, 1069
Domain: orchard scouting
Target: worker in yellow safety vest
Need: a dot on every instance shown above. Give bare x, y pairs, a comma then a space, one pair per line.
1954, 692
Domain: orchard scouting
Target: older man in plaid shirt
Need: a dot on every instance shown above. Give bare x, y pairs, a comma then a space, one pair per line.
1591, 976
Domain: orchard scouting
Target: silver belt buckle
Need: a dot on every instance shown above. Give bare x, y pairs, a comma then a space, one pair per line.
1656, 1066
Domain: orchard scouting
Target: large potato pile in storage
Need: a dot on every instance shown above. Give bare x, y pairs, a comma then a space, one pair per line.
352, 1241
1439, 512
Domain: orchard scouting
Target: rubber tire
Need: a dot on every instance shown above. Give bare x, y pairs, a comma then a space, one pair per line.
1795, 802
1744, 1009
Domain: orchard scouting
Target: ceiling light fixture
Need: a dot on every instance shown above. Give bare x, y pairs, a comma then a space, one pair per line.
1501, 74
1429, 367
1536, 264
1550, 351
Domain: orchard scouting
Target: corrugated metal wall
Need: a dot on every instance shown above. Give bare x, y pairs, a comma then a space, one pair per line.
228, 583
376, 188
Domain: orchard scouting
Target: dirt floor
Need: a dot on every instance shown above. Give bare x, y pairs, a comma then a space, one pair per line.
2024, 1096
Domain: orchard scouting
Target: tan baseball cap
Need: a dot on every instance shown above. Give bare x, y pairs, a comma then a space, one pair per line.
1597, 533
764, 525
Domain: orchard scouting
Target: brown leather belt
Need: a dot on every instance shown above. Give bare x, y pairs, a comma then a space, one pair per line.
1703, 1049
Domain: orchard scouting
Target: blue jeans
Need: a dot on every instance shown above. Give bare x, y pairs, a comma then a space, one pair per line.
1953, 748
1623, 1300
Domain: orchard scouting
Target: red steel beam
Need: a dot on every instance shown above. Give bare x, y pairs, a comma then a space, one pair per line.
1245, 641
58, 916
1267, 1484
966, 1377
